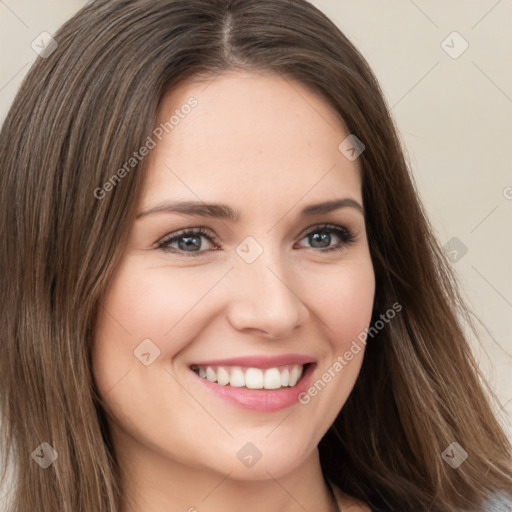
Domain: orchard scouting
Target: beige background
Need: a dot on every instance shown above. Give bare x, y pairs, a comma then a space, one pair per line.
454, 116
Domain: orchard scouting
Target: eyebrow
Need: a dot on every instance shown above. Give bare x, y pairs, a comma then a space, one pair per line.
224, 212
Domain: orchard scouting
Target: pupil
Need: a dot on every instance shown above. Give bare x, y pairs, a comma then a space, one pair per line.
190, 241
323, 237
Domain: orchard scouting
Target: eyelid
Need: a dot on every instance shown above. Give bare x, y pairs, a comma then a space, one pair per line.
326, 225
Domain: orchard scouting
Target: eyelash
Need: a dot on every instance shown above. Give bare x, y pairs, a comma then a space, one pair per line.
343, 233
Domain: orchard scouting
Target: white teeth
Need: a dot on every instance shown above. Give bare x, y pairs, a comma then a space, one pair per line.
272, 379
210, 375
252, 378
294, 375
222, 376
237, 379
285, 375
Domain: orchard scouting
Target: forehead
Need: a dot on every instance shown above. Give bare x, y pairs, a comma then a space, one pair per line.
250, 139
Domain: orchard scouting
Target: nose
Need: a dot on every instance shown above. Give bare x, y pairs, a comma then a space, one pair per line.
263, 300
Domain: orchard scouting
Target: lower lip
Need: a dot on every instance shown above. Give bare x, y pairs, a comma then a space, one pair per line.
263, 400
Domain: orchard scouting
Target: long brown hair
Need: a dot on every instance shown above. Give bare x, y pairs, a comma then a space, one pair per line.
79, 115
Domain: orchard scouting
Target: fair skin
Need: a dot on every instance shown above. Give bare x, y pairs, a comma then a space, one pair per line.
267, 148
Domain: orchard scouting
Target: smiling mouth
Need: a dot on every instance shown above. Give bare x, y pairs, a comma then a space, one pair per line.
278, 377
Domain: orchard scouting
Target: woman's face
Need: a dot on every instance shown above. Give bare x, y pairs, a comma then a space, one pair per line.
265, 294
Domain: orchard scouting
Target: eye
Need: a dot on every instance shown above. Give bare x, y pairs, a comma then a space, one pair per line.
320, 237
188, 241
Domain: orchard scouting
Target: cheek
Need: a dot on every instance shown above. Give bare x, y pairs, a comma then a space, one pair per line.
164, 305
343, 302
154, 303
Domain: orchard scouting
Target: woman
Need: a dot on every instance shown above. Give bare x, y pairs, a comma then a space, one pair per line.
221, 291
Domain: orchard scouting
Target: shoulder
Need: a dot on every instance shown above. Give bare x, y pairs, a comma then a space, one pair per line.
500, 502
348, 503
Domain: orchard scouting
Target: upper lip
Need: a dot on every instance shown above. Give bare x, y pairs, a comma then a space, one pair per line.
259, 361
